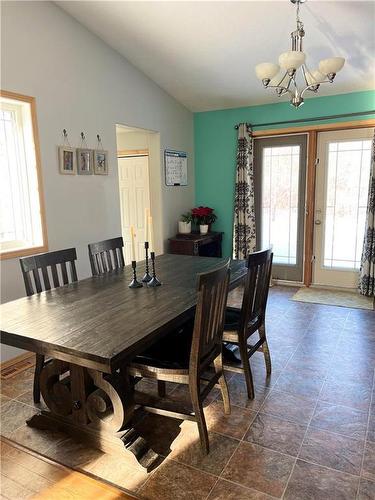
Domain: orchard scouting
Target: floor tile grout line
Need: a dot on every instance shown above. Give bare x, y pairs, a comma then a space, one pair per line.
273, 387
211, 490
54, 463
329, 468
220, 475
306, 431
175, 459
366, 434
259, 411
277, 379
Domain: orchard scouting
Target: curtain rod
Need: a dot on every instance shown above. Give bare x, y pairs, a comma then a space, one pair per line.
304, 120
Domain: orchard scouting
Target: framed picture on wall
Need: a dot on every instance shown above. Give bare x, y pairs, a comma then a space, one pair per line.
67, 160
85, 161
100, 162
175, 168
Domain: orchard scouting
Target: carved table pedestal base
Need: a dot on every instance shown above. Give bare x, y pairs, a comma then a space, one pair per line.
92, 407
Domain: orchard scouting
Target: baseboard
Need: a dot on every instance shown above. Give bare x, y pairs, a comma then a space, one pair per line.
276, 281
16, 365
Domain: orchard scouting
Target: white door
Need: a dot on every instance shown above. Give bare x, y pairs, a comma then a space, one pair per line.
134, 199
342, 177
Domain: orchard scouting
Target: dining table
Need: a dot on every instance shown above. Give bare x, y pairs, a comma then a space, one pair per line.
89, 331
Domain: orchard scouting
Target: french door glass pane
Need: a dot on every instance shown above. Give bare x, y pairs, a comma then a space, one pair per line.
280, 178
346, 199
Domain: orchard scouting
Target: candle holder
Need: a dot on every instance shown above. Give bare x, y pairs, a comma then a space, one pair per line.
134, 282
154, 281
147, 277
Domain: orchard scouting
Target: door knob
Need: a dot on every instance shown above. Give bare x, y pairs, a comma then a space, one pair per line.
318, 222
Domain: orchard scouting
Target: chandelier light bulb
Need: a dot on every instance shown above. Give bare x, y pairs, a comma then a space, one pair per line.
266, 71
314, 77
292, 59
331, 65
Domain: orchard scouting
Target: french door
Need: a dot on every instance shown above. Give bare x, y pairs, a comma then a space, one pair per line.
342, 177
280, 178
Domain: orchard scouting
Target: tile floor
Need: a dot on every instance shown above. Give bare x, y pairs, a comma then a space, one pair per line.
308, 434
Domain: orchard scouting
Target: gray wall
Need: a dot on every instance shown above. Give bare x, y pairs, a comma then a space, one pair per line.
81, 84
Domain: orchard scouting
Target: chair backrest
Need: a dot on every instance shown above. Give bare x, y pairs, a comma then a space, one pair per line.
37, 266
106, 255
257, 281
209, 317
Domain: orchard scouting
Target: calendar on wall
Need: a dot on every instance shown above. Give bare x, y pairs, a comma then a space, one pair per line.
175, 168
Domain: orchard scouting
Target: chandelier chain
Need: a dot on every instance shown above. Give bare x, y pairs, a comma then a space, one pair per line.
298, 19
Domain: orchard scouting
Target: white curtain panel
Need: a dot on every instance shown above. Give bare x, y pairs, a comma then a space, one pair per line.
244, 233
367, 272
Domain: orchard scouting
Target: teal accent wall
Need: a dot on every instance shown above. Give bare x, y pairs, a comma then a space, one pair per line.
215, 145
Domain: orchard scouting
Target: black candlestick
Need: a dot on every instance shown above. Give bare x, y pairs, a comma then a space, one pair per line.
146, 278
134, 282
154, 281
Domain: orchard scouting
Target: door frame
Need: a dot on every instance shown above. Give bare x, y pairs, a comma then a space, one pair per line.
312, 131
280, 141
344, 278
133, 153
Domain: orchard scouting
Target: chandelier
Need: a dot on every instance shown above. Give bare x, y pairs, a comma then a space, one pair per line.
293, 60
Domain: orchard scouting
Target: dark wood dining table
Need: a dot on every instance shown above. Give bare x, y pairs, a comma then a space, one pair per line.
89, 330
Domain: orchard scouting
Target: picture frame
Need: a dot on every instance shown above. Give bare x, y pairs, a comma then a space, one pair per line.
175, 168
100, 162
67, 160
85, 161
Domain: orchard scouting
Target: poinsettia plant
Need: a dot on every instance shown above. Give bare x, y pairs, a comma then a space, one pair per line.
203, 215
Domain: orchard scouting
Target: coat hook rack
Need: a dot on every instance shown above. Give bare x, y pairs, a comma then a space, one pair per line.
83, 136
65, 136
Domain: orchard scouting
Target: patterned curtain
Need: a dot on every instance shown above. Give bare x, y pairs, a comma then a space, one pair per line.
244, 235
367, 272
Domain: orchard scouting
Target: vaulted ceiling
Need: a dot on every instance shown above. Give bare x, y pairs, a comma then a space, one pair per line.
204, 53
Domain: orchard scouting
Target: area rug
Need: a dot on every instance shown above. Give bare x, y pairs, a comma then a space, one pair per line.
334, 298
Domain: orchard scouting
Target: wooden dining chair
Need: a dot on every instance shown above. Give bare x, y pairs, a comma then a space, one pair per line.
39, 271
189, 364
240, 324
106, 255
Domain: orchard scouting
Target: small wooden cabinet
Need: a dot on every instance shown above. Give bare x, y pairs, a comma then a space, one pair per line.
204, 245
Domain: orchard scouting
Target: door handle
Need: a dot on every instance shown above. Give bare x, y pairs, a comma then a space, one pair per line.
318, 222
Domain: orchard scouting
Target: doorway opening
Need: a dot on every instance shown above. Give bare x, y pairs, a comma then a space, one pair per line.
139, 185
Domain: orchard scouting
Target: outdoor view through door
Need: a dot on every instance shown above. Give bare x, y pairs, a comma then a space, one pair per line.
280, 171
340, 207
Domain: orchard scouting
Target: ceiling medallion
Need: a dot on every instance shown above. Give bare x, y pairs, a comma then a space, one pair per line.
291, 61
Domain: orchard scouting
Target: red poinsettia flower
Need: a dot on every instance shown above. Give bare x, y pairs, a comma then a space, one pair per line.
203, 215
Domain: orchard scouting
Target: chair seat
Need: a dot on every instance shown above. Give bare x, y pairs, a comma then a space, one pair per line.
232, 319
171, 352
232, 324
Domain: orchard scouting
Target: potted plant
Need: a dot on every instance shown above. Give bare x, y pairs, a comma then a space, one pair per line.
203, 217
184, 224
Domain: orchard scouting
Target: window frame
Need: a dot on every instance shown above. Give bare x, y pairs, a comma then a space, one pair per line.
22, 252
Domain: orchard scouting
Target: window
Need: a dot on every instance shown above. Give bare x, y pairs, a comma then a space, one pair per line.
280, 181
346, 201
22, 226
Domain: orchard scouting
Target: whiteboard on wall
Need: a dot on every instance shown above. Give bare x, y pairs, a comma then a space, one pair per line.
175, 168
